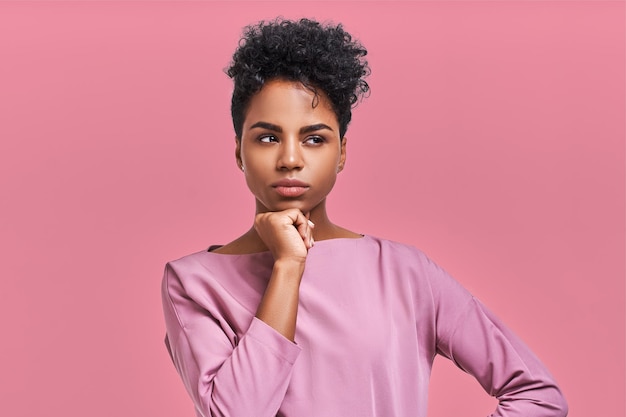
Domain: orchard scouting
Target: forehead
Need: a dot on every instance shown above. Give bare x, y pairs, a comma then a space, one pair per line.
287, 103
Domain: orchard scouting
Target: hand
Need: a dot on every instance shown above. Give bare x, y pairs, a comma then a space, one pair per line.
288, 234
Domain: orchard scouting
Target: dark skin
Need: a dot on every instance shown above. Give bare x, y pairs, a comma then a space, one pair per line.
290, 153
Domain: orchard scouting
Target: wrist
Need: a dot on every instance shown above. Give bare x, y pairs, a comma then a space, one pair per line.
289, 267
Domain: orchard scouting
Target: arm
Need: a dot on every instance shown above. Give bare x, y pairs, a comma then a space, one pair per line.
288, 235
480, 344
223, 375
279, 305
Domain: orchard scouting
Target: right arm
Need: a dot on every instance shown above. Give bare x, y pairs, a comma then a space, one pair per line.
288, 235
229, 377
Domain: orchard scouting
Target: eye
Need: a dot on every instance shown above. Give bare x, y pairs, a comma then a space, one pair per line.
268, 139
314, 140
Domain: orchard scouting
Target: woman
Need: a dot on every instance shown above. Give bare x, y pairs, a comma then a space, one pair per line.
301, 317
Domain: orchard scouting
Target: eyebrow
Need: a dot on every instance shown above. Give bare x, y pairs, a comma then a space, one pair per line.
316, 127
278, 129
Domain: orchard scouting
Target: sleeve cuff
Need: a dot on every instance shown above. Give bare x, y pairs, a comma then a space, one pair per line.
273, 340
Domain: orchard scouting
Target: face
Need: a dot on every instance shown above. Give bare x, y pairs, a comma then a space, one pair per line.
290, 151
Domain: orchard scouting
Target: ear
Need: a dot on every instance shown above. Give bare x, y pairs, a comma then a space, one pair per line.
342, 156
238, 153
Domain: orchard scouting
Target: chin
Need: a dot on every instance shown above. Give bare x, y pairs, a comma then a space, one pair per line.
300, 205
303, 206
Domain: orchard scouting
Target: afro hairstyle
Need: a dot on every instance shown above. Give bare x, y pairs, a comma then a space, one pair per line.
321, 57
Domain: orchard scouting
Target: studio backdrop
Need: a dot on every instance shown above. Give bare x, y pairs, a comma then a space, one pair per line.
493, 140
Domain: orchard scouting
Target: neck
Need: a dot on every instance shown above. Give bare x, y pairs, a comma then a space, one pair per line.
324, 228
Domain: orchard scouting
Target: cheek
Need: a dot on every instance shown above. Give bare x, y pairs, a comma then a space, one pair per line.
332, 164
329, 168
253, 175
256, 164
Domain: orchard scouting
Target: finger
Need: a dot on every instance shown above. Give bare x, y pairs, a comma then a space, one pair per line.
311, 226
306, 234
305, 229
295, 216
307, 215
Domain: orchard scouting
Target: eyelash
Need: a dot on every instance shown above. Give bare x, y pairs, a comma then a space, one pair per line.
318, 139
261, 138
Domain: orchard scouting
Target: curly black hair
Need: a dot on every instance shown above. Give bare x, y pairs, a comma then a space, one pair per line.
323, 57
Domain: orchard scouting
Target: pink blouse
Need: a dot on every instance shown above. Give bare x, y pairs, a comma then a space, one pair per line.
372, 315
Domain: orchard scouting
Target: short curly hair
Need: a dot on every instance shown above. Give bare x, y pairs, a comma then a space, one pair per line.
323, 57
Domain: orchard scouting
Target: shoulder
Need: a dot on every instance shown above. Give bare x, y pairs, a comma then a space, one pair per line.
187, 264
195, 258
413, 262
204, 275
400, 252
364, 252
396, 260
198, 269
178, 271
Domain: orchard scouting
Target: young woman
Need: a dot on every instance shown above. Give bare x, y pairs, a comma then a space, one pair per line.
299, 316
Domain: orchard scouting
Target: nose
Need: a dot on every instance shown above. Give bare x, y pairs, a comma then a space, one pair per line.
290, 155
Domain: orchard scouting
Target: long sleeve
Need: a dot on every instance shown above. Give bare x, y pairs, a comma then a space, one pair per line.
372, 316
225, 375
480, 344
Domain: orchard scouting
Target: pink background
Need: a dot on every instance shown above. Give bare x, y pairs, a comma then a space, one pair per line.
493, 140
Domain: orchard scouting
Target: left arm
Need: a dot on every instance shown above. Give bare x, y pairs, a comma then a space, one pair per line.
481, 345
506, 368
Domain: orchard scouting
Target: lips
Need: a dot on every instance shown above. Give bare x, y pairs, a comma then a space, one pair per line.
290, 187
